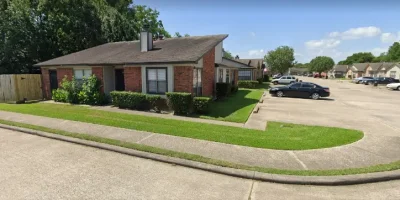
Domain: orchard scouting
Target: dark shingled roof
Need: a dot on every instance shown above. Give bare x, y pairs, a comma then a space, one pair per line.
359, 67
375, 66
341, 68
171, 50
387, 66
252, 62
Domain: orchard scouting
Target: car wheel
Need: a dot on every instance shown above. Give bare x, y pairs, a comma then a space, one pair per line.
398, 88
279, 94
275, 82
315, 96
358, 82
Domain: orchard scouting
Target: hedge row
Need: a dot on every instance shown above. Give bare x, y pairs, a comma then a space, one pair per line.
181, 103
248, 84
136, 101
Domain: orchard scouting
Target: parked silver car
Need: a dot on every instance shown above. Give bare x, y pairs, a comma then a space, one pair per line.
284, 80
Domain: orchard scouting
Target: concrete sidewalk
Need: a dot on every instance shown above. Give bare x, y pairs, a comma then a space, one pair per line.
359, 154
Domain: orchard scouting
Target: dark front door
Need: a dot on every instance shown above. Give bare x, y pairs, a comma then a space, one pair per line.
53, 80
119, 80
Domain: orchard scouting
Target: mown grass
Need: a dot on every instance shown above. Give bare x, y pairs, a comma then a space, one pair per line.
277, 136
193, 157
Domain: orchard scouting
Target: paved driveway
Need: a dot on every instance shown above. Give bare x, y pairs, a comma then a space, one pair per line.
32, 167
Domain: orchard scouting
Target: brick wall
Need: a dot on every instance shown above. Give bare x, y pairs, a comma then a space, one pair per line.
62, 72
46, 84
183, 79
133, 79
236, 74
98, 72
208, 75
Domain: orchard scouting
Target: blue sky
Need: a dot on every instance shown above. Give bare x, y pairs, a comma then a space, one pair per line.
330, 28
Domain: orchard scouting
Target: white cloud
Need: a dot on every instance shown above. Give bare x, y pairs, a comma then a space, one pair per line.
390, 37
255, 54
357, 33
252, 34
324, 43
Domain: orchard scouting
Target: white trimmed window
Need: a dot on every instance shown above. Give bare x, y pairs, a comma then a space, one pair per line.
227, 76
244, 74
79, 74
197, 86
156, 79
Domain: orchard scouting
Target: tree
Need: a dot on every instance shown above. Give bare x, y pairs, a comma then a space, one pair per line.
177, 34
362, 57
321, 64
280, 59
187, 35
32, 31
394, 52
381, 58
301, 65
227, 54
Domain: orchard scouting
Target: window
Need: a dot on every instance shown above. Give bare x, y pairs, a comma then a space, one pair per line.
227, 76
197, 89
156, 80
79, 74
307, 85
295, 85
221, 75
244, 74
392, 74
283, 77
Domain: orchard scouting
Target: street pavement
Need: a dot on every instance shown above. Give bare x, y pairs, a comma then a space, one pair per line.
33, 167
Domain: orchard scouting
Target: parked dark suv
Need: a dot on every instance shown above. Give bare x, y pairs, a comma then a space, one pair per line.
380, 80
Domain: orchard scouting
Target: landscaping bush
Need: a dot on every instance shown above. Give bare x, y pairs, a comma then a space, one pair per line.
223, 90
90, 92
60, 95
179, 102
260, 80
201, 104
72, 88
131, 100
234, 89
247, 84
155, 102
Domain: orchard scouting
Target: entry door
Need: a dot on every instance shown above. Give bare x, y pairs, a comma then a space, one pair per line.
119, 80
53, 80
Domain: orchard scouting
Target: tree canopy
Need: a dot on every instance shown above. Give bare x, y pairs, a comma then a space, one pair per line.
32, 31
362, 57
227, 54
321, 64
280, 59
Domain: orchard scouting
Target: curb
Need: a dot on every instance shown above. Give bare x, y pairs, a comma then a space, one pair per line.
259, 176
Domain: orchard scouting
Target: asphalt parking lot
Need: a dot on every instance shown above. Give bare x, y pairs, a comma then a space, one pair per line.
350, 105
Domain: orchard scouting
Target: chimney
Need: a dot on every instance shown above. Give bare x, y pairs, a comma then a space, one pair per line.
146, 39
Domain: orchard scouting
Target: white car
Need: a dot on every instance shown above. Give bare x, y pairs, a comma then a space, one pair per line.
393, 86
284, 80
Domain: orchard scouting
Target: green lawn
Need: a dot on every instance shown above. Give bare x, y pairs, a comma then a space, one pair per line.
140, 147
278, 135
236, 108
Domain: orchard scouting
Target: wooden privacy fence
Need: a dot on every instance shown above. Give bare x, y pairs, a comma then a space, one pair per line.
17, 87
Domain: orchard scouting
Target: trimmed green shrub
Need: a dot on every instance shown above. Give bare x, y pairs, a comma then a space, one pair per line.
234, 89
72, 88
260, 80
131, 100
223, 90
247, 84
60, 95
155, 102
179, 102
201, 104
90, 92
